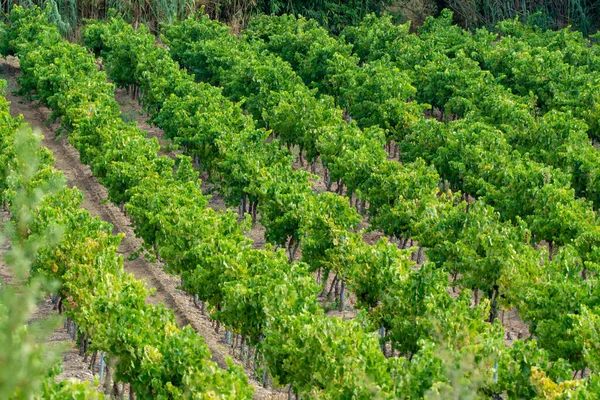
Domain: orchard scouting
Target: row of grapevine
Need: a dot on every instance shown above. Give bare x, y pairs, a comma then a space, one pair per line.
25, 184
257, 290
440, 68
456, 160
326, 239
564, 145
560, 79
398, 203
449, 148
124, 49
107, 305
522, 187
278, 346
553, 214
556, 70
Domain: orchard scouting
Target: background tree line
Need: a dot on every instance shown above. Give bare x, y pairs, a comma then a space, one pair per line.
583, 15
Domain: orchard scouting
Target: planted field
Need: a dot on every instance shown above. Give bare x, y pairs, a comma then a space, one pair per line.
380, 214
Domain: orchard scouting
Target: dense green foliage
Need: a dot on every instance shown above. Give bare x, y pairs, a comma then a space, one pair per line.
486, 141
108, 306
543, 199
509, 255
276, 186
209, 248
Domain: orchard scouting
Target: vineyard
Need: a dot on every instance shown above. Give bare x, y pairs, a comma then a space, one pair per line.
388, 195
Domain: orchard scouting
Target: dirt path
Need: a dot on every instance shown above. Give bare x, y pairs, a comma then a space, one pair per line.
80, 176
